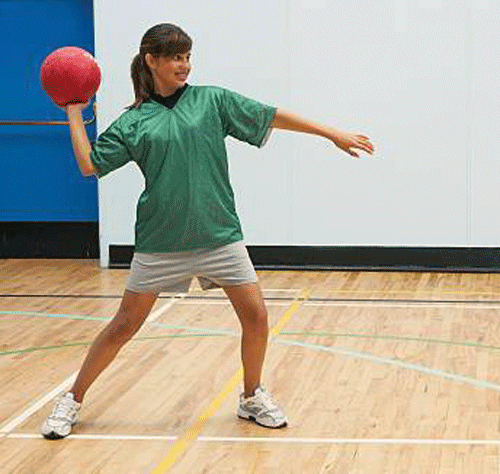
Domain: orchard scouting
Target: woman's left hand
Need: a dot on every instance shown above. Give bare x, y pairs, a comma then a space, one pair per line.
346, 141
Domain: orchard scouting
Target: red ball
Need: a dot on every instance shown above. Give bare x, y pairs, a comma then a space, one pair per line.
70, 75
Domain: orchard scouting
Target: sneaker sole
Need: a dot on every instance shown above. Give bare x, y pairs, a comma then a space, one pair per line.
53, 435
252, 418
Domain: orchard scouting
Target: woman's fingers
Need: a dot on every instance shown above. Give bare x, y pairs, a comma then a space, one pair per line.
347, 141
365, 144
364, 147
369, 149
80, 106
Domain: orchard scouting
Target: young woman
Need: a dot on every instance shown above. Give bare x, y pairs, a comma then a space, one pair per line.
186, 224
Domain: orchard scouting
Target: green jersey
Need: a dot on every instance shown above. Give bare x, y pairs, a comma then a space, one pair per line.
188, 202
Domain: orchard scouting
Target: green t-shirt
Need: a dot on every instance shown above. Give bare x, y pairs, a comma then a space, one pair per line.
188, 202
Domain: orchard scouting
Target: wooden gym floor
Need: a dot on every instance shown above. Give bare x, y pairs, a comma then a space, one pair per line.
378, 372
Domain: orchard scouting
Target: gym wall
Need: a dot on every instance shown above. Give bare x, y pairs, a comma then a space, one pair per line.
420, 78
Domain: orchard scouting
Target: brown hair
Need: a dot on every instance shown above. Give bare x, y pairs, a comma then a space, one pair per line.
162, 40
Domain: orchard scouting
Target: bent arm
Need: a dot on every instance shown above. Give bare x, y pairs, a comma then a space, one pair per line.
80, 141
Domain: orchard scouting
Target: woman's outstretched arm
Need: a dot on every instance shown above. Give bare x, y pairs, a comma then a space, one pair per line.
289, 121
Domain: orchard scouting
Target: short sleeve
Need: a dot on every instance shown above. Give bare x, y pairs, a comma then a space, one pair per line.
109, 151
246, 119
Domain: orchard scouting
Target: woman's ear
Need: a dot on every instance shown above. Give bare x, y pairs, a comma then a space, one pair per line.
150, 60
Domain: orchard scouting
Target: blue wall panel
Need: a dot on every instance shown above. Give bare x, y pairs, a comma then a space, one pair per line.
39, 178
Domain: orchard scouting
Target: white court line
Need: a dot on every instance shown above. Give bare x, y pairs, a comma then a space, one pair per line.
12, 425
262, 439
465, 442
37, 405
156, 314
98, 437
357, 304
400, 305
227, 302
297, 290
264, 290
381, 304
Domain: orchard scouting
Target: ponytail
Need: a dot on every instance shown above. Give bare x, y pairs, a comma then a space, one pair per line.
142, 81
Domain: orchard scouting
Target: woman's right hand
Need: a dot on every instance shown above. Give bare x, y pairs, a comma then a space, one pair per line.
77, 107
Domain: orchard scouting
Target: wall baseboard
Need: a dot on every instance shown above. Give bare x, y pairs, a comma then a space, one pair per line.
49, 240
440, 259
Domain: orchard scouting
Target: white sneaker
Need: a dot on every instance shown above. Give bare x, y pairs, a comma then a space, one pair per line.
63, 416
262, 409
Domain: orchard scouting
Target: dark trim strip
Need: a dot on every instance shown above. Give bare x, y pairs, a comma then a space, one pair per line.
401, 259
120, 256
49, 240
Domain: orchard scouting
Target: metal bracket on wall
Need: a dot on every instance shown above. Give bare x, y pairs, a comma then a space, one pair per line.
60, 122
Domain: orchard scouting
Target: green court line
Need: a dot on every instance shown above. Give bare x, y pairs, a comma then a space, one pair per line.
336, 350
208, 332
72, 344
283, 333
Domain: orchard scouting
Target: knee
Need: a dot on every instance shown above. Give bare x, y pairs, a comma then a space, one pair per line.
257, 320
122, 330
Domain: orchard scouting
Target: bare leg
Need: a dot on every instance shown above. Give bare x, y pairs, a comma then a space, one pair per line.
249, 305
133, 310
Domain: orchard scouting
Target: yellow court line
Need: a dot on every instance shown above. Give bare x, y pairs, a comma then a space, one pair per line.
193, 432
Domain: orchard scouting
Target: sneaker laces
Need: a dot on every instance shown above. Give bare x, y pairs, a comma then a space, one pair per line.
63, 408
267, 401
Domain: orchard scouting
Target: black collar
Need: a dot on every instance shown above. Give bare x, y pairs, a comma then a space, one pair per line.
170, 100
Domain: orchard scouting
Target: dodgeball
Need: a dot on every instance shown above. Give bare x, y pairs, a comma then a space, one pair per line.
70, 75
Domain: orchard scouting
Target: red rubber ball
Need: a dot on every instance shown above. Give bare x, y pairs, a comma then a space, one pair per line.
70, 75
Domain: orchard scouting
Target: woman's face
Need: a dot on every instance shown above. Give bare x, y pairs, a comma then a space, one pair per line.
169, 73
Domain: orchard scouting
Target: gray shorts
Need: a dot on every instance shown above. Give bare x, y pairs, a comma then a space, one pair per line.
173, 272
